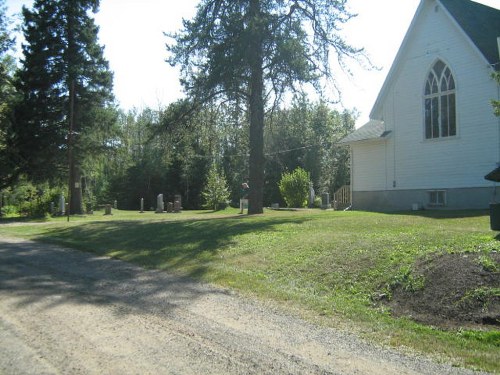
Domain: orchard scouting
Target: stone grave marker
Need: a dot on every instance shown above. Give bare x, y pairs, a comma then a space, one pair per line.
107, 209
325, 201
177, 203
159, 204
170, 207
62, 205
312, 196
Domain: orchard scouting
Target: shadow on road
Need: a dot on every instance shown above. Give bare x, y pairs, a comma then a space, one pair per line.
38, 272
51, 275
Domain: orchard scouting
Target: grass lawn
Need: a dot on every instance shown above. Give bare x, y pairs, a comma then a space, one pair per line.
324, 265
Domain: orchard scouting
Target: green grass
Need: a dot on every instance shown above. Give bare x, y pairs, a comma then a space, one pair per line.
325, 265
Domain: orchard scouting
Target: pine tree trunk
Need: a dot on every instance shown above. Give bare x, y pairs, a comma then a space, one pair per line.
75, 179
255, 204
75, 203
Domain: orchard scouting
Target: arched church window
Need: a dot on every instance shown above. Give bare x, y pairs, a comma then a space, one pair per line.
440, 102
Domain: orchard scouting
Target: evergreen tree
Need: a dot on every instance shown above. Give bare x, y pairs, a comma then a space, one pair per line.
216, 192
249, 49
66, 88
8, 162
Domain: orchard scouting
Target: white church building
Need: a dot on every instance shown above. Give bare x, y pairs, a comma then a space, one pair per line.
432, 134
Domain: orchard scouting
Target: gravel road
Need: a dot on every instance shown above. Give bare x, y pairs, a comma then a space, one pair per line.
67, 312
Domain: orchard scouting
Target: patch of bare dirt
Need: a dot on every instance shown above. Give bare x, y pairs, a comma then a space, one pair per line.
459, 290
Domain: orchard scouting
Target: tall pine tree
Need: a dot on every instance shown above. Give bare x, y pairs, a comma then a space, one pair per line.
66, 87
8, 164
256, 51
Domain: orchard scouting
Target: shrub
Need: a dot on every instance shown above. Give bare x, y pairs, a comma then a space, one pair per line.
9, 211
216, 192
27, 199
294, 187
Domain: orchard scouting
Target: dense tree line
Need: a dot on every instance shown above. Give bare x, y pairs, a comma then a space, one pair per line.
59, 126
149, 160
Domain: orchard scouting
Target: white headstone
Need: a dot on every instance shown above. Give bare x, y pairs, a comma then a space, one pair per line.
312, 195
62, 205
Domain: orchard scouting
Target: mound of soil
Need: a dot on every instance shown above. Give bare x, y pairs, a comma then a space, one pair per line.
458, 290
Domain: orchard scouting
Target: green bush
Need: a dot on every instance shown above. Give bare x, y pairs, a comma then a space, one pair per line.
27, 199
36, 203
294, 187
317, 202
9, 211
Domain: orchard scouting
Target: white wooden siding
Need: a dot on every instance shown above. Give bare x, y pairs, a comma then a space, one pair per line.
369, 167
408, 158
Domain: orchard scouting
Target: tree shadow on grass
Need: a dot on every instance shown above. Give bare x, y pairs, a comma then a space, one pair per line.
40, 272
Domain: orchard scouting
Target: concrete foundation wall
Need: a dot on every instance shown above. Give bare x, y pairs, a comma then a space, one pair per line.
405, 200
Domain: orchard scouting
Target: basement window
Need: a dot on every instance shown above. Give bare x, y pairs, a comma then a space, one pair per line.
437, 198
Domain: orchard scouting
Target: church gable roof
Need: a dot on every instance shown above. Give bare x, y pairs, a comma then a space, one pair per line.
480, 22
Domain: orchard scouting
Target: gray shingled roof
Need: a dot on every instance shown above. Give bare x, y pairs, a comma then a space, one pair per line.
373, 129
480, 22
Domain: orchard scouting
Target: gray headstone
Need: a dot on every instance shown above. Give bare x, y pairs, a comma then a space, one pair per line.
177, 203
142, 205
325, 201
178, 198
312, 195
170, 207
159, 204
177, 206
107, 209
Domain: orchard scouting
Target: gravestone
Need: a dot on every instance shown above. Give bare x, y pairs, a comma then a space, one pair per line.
159, 204
178, 198
107, 209
62, 205
177, 203
170, 207
115, 204
312, 195
142, 205
177, 206
325, 201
